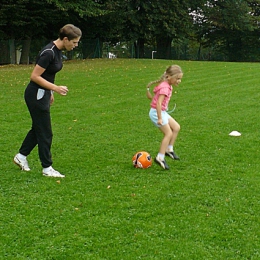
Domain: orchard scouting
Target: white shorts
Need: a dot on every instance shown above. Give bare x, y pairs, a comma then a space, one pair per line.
154, 117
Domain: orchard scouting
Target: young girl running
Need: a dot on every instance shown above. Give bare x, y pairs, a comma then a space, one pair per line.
158, 112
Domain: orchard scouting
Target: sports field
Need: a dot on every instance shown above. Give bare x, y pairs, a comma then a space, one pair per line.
206, 207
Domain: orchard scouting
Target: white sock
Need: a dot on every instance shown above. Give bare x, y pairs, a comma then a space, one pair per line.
48, 168
161, 156
170, 148
20, 156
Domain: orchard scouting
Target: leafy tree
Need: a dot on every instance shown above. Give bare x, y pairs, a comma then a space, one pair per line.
84, 8
227, 26
27, 19
151, 22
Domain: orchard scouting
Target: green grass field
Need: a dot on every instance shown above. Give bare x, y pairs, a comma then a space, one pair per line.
206, 207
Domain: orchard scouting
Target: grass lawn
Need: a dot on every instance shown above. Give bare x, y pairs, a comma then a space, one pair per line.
205, 207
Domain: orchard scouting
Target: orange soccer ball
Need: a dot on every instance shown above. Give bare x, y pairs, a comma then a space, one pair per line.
142, 160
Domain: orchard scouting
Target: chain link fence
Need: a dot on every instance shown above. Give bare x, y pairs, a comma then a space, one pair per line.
13, 52
25, 51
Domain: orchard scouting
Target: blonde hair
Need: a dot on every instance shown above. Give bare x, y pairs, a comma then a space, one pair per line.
171, 71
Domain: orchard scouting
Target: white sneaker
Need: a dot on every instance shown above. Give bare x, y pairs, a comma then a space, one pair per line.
173, 155
22, 163
162, 163
50, 172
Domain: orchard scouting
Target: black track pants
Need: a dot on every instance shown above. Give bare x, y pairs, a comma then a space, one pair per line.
41, 131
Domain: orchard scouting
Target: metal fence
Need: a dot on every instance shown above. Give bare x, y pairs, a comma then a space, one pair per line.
12, 51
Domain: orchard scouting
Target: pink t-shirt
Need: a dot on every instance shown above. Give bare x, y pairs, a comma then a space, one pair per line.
162, 89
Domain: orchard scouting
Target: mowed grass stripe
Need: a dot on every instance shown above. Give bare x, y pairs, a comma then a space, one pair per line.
205, 207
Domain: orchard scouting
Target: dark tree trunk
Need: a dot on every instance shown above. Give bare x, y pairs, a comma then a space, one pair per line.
139, 48
164, 47
12, 51
25, 51
5, 54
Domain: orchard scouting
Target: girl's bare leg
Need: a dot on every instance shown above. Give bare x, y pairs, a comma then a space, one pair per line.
175, 128
167, 131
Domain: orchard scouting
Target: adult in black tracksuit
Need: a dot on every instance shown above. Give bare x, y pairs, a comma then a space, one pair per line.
39, 96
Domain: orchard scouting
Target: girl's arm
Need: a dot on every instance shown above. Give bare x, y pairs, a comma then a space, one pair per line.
38, 79
159, 109
148, 93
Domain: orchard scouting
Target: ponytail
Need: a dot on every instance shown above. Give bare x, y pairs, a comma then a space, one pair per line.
148, 93
171, 71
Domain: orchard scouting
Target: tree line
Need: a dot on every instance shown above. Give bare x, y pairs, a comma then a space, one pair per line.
221, 29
